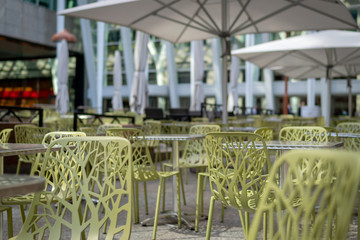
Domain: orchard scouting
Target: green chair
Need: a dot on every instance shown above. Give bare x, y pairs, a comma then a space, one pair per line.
350, 144
316, 203
194, 154
238, 168
101, 130
144, 171
24, 200
89, 131
303, 133
153, 127
26, 133
68, 190
267, 133
5, 135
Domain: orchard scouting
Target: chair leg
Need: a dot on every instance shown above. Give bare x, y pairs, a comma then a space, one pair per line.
178, 198
198, 200
182, 187
146, 200
210, 218
157, 207
9, 220
136, 207
265, 226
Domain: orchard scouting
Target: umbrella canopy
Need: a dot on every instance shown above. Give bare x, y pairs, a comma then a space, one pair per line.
62, 97
139, 88
330, 53
186, 20
117, 103
197, 91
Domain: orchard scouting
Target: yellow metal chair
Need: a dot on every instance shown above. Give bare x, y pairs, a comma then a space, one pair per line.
321, 186
101, 130
238, 168
26, 133
68, 190
303, 133
89, 131
350, 144
144, 171
24, 200
5, 135
194, 154
267, 133
153, 127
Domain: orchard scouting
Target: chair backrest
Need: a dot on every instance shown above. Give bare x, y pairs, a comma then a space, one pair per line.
194, 150
89, 131
26, 133
350, 144
238, 164
102, 128
310, 201
151, 127
141, 156
303, 133
5, 135
51, 136
267, 133
95, 206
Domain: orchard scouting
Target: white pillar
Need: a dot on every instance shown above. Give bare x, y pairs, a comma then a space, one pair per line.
216, 58
325, 100
172, 74
128, 56
89, 56
60, 25
269, 92
249, 74
311, 92
100, 64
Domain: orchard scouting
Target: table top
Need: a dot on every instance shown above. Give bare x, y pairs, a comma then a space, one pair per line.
12, 185
174, 137
289, 145
10, 149
242, 129
346, 135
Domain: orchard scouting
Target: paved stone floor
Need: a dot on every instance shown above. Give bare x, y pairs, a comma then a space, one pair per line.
229, 229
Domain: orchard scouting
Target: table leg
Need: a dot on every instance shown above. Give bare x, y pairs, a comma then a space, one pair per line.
1, 165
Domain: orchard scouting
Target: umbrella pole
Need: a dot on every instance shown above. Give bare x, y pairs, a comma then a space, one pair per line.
349, 97
226, 48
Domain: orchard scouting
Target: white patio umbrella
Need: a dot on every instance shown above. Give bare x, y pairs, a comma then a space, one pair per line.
197, 65
62, 97
234, 75
117, 102
186, 20
139, 88
330, 53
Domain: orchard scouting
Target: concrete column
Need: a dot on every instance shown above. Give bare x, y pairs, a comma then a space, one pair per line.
60, 25
128, 56
216, 57
89, 57
325, 100
172, 74
269, 92
100, 64
311, 92
249, 74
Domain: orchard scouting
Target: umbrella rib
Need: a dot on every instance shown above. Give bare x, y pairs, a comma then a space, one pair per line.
330, 16
349, 57
206, 27
243, 26
240, 13
164, 6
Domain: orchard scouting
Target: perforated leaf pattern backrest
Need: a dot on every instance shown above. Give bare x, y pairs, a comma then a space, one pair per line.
350, 144
97, 200
315, 203
5, 135
151, 127
194, 150
142, 161
267, 133
102, 128
238, 164
304, 133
